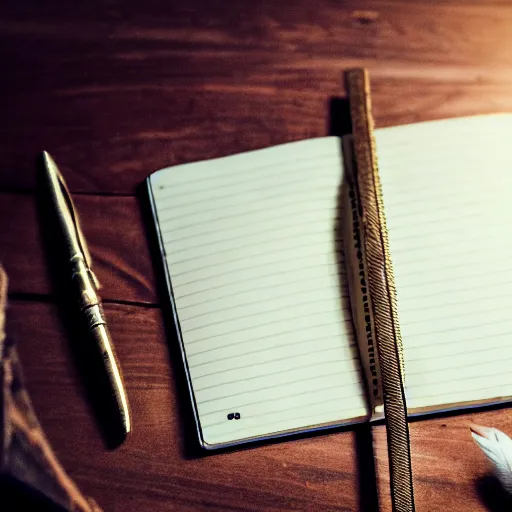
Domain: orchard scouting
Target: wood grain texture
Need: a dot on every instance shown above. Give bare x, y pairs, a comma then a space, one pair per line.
114, 229
151, 471
115, 90
154, 469
450, 471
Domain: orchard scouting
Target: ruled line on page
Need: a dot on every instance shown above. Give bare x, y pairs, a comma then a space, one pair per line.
444, 316
309, 199
255, 196
245, 231
261, 330
261, 350
256, 391
408, 251
464, 199
258, 282
241, 234
467, 365
455, 328
249, 257
451, 379
245, 337
298, 407
287, 410
446, 231
457, 321
271, 276
440, 203
504, 258
285, 165
289, 361
264, 239
433, 208
450, 292
343, 295
409, 151
222, 212
233, 187
489, 393
270, 242
272, 336
483, 347
478, 257
255, 365
479, 329
278, 380
426, 191
275, 400
500, 386
280, 372
266, 323
482, 274
230, 270
233, 221
280, 302
409, 232
451, 237
436, 220
276, 422
292, 425
236, 214
482, 127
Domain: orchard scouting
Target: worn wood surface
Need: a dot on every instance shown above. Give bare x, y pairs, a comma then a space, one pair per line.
27, 462
152, 470
114, 229
115, 90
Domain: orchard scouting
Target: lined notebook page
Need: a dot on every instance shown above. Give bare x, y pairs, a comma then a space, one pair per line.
250, 246
447, 194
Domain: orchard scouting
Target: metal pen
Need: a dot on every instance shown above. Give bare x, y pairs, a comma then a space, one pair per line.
86, 285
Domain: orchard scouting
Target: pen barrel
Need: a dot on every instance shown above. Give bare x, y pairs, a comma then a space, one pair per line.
103, 341
85, 287
92, 310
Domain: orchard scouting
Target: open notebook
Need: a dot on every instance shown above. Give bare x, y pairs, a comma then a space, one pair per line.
254, 249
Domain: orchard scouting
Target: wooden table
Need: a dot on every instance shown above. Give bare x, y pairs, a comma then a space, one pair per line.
115, 90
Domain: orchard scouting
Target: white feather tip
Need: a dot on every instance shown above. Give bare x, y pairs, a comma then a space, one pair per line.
498, 448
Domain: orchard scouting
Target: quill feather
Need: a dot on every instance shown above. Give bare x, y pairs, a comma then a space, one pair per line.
498, 448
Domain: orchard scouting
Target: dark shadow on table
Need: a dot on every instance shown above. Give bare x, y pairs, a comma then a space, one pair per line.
15, 496
340, 125
339, 122
84, 352
189, 436
492, 494
366, 471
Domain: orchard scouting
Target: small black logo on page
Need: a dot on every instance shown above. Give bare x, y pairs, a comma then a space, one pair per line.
234, 416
